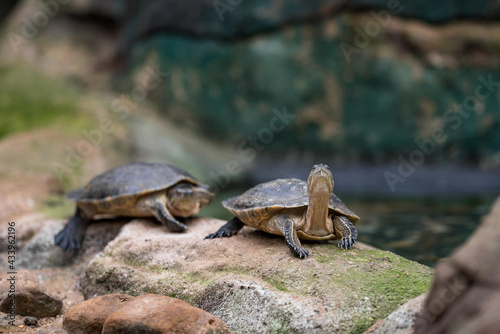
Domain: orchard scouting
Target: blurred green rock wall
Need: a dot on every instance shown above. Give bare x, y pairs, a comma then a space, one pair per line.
365, 80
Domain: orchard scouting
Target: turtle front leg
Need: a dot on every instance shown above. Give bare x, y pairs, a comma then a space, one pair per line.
228, 229
346, 232
285, 224
160, 211
70, 237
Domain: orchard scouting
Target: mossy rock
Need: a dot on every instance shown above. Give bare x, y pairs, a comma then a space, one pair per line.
253, 283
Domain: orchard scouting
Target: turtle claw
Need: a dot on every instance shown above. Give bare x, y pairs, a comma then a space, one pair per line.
227, 230
346, 243
219, 234
302, 253
179, 227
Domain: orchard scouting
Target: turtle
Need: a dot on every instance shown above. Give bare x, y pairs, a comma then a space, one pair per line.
295, 209
138, 189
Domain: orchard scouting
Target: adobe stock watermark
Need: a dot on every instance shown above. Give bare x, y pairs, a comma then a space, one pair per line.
372, 29
246, 150
31, 26
121, 107
453, 118
222, 6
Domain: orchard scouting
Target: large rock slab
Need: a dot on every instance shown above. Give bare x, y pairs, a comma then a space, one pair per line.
252, 282
465, 296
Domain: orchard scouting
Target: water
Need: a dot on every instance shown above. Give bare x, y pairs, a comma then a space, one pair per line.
424, 230
420, 229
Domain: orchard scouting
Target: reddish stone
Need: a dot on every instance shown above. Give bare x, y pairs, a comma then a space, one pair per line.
88, 317
160, 314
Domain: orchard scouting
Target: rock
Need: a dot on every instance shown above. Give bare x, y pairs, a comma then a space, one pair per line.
252, 282
5, 322
22, 274
160, 314
120, 313
26, 227
31, 321
373, 327
52, 330
89, 316
41, 251
402, 320
31, 299
465, 295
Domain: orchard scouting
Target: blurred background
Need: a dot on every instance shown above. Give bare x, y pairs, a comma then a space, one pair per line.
400, 98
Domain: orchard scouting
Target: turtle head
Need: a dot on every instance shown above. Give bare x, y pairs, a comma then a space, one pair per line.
187, 199
320, 189
320, 181
205, 194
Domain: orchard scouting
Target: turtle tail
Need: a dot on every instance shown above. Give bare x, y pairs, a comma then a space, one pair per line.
71, 235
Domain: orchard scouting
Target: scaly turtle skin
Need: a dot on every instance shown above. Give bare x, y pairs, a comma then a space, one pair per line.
294, 209
137, 190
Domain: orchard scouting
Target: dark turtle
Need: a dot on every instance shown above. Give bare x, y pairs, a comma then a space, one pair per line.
137, 190
294, 209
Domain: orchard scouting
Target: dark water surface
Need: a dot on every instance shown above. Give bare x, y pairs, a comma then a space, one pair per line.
423, 229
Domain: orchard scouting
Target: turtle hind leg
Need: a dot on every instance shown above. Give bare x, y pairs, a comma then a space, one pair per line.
346, 232
161, 213
228, 229
291, 238
70, 236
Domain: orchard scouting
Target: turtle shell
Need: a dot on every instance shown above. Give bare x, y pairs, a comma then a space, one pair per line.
133, 179
264, 200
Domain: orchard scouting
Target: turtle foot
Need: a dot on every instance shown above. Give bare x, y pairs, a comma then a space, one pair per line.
301, 252
69, 237
346, 243
227, 230
178, 227
67, 243
220, 234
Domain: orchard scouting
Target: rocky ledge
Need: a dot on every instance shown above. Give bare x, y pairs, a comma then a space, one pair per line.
252, 282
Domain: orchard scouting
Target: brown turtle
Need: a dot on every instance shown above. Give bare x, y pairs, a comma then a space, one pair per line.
138, 189
294, 209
